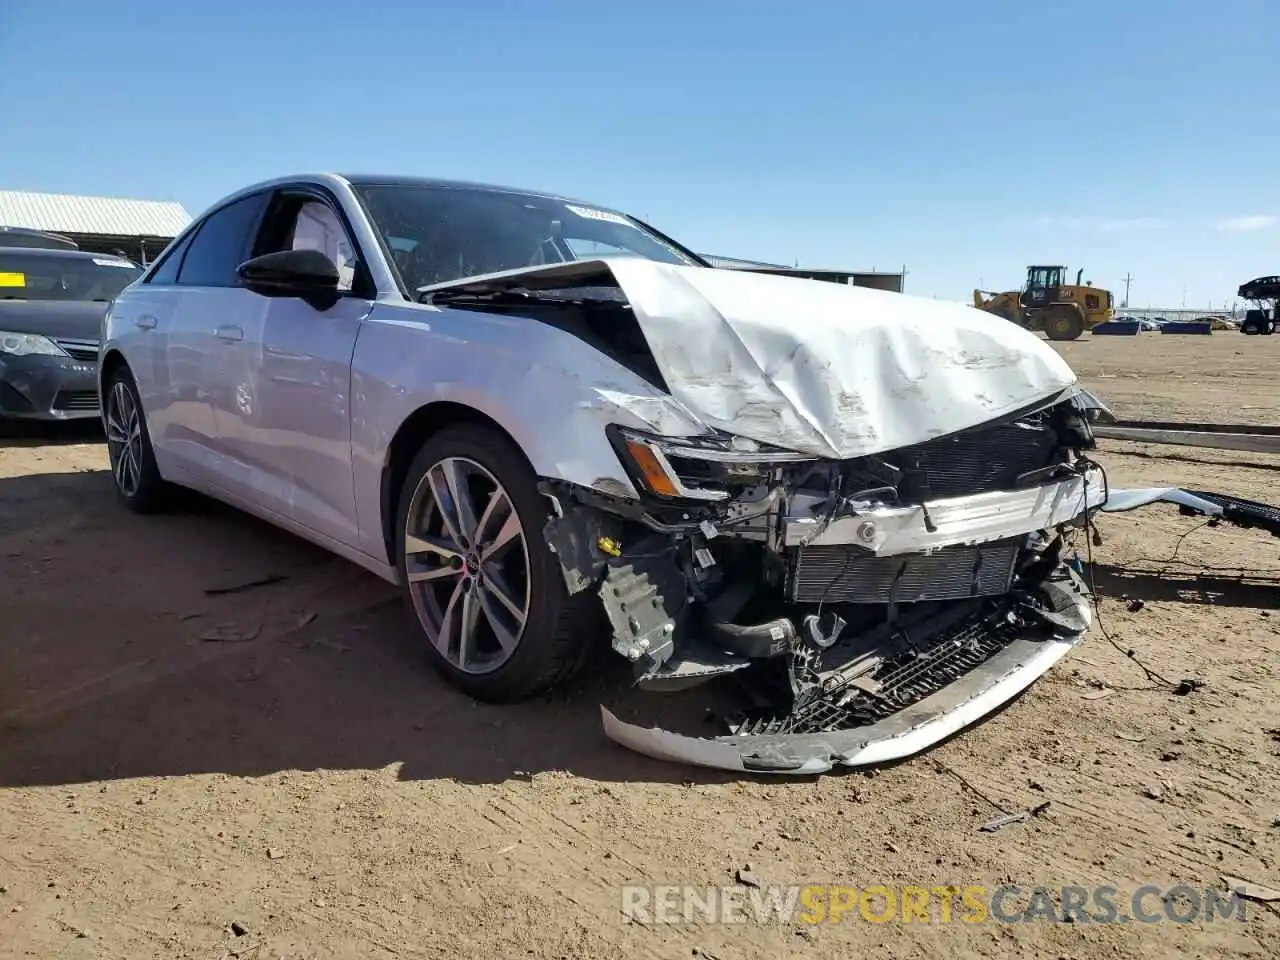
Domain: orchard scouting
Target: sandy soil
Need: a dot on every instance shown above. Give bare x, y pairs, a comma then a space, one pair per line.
319, 789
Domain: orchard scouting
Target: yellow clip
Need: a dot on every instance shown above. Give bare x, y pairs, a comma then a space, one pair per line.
610, 546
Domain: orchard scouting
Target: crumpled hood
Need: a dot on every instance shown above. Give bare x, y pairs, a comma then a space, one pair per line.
832, 370
812, 366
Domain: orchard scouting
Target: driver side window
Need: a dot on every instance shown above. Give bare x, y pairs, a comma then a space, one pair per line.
317, 227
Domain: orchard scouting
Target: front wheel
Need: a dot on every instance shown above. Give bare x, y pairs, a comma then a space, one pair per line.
138, 483
484, 590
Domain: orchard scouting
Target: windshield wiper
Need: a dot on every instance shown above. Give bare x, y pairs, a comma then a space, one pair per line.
517, 297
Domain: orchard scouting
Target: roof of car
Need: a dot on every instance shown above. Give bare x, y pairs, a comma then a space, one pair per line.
65, 254
368, 180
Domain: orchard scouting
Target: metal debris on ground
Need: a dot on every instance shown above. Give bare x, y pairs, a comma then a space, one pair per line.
996, 823
245, 585
1250, 890
232, 633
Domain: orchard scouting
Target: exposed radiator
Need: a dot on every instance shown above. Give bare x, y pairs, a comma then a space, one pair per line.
973, 462
841, 574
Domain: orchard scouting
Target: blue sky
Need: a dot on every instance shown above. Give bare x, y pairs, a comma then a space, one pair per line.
1130, 136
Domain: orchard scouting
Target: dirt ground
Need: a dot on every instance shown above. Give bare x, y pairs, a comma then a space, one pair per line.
313, 790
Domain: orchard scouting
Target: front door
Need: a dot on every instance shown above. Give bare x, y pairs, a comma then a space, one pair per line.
206, 306
285, 412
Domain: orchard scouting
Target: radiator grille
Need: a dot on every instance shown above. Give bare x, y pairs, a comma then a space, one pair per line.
842, 574
84, 350
973, 462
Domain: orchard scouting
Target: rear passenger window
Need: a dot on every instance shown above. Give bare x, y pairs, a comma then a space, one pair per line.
167, 271
221, 244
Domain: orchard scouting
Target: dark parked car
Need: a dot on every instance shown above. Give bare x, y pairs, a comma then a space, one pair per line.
21, 237
51, 307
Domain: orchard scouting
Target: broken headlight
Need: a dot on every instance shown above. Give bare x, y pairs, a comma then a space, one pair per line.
696, 468
1093, 409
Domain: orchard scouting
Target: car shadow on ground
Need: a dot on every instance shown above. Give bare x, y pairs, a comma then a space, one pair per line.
30, 433
118, 679
1186, 586
107, 679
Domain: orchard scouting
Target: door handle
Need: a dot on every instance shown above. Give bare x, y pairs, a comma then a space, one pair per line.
229, 333
144, 322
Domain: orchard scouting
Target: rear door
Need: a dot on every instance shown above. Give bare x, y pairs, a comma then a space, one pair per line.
143, 317
287, 422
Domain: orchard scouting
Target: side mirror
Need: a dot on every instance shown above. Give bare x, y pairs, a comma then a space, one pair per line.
307, 274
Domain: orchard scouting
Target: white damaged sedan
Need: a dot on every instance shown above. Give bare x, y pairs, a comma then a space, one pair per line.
556, 428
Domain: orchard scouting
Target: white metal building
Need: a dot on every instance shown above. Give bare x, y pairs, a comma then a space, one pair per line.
877, 280
139, 229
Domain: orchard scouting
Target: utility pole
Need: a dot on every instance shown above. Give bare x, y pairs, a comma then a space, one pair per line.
904, 279
1127, 280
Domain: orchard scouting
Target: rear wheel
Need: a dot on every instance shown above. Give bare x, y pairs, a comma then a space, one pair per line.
133, 464
1063, 324
484, 589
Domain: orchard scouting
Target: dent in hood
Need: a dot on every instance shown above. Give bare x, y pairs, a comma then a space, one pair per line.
817, 367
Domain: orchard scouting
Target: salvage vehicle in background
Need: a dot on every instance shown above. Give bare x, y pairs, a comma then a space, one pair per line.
555, 427
52, 302
1257, 323
1263, 318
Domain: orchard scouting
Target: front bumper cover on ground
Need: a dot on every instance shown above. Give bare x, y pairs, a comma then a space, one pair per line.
1003, 650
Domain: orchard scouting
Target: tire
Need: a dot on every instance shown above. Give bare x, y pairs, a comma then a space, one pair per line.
549, 641
134, 475
1063, 325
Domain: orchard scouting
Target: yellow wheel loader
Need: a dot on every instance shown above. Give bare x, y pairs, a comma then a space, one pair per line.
1060, 310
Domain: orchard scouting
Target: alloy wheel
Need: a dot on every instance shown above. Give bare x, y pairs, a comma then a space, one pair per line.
124, 438
467, 565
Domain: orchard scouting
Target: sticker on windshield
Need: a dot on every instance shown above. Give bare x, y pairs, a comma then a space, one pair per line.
103, 262
604, 215
13, 279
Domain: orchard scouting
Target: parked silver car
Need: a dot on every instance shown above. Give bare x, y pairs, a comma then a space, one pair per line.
555, 427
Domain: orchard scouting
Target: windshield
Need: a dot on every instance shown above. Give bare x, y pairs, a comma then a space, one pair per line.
28, 275
437, 234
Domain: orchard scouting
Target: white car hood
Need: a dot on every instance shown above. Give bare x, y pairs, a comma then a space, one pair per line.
817, 367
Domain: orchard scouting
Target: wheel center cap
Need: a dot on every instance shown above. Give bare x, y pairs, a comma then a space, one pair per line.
472, 564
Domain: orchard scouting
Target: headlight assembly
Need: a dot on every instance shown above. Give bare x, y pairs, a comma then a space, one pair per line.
695, 468
29, 345
1094, 410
